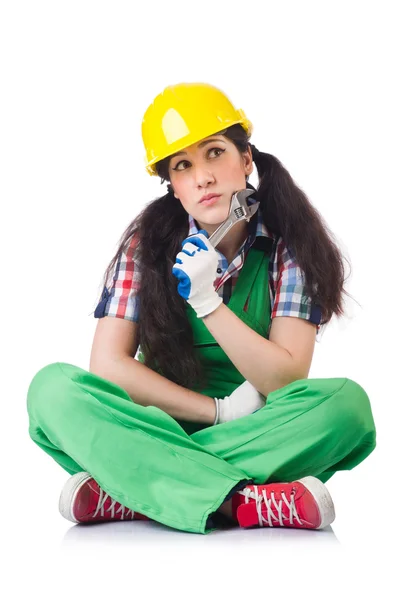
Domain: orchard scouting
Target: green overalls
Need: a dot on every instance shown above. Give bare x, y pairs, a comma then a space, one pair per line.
179, 473
250, 302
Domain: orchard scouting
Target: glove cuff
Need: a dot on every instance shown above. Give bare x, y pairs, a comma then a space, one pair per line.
208, 305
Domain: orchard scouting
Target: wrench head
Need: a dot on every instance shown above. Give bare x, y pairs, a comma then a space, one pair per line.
238, 211
241, 196
239, 208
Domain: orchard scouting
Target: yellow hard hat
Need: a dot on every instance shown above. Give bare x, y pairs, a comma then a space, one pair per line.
183, 114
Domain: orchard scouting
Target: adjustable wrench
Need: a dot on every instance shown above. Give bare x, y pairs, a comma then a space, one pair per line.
238, 211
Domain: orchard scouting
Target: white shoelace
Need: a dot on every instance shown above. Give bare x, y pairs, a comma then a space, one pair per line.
101, 503
262, 498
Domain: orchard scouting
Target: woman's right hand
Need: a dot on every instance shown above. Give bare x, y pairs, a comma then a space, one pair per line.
242, 402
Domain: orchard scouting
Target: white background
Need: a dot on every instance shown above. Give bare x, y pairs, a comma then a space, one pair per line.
317, 81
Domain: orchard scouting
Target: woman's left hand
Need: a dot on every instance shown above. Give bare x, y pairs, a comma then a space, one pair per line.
195, 267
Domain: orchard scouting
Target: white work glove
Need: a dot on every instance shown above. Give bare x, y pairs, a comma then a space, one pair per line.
196, 267
243, 401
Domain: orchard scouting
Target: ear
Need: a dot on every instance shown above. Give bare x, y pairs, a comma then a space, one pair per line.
248, 162
172, 189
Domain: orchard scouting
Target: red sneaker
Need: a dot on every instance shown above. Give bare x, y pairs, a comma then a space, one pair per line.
305, 503
83, 501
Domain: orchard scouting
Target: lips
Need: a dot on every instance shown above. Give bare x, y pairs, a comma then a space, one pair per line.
209, 197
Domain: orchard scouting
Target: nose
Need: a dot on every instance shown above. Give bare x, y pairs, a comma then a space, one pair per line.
203, 177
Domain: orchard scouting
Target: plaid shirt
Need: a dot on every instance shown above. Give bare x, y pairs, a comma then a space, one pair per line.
286, 285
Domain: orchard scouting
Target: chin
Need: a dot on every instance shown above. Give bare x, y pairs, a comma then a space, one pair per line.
216, 214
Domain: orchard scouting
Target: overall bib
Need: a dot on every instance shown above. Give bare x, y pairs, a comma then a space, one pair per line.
250, 302
179, 473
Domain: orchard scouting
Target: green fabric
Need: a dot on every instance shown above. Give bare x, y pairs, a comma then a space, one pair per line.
252, 287
179, 473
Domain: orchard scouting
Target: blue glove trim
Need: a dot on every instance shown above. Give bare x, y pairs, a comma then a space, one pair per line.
184, 285
195, 240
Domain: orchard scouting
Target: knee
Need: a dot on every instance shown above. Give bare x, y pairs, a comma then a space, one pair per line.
353, 408
42, 388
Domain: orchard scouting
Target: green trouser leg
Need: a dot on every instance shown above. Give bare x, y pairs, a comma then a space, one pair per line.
145, 460
139, 455
309, 427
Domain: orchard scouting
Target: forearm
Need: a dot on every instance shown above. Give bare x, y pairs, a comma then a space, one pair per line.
148, 388
265, 365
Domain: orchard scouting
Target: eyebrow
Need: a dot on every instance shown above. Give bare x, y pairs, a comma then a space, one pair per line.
200, 145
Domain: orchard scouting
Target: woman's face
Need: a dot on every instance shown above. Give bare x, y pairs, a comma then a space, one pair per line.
211, 166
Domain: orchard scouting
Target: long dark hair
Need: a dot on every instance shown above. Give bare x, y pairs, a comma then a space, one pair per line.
165, 335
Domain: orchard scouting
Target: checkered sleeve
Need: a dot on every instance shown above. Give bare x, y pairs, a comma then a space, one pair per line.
289, 294
121, 298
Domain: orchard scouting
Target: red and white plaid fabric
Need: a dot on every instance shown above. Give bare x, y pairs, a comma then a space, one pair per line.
286, 284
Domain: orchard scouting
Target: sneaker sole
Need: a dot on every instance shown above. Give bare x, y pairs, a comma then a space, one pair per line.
68, 495
323, 498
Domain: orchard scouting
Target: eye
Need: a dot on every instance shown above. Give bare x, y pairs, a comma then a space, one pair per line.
221, 151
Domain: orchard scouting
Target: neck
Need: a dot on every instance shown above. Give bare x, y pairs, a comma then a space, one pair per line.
234, 239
